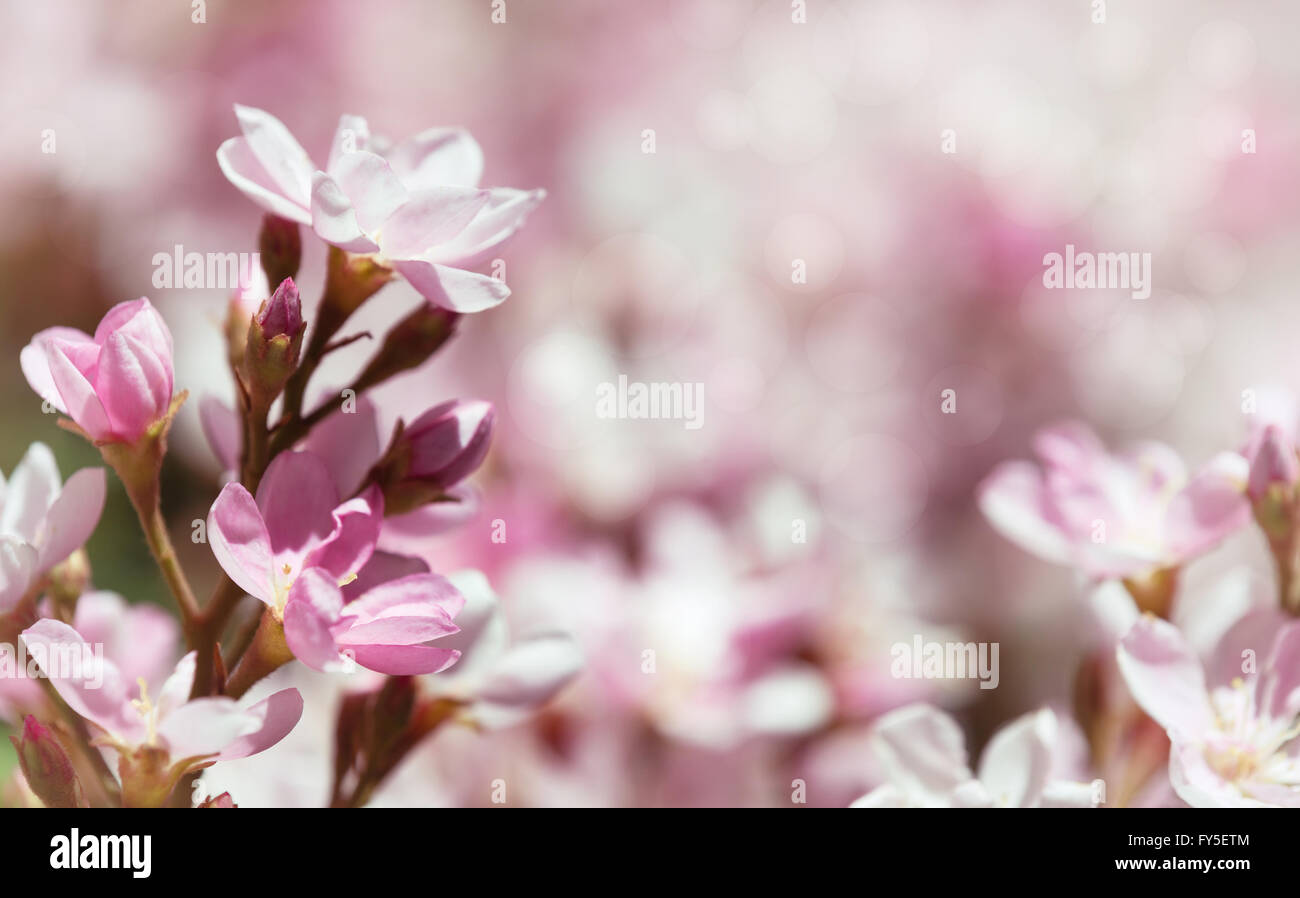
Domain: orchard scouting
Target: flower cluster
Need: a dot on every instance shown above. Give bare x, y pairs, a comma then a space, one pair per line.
299, 534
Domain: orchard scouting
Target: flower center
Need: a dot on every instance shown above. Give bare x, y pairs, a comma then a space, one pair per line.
145, 708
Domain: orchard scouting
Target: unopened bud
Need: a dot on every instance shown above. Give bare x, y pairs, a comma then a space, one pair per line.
280, 246
68, 580
221, 801
410, 343
274, 342
435, 452
46, 766
1274, 464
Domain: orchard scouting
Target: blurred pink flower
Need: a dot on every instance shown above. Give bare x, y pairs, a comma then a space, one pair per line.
42, 519
1233, 745
296, 523
1114, 515
114, 385
923, 755
194, 733
500, 678
417, 205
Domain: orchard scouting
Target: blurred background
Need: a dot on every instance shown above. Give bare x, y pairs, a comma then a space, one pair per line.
826, 213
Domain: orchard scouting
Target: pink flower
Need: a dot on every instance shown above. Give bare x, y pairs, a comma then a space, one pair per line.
923, 755
296, 523
42, 519
416, 205
295, 546
501, 680
192, 733
114, 385
447, 443
1233, 745
1114, 515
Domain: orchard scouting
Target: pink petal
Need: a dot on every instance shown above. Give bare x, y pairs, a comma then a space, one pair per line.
1210, 507
103, 703
334, 219
395, 630
281, 156
429, 219
32, 489
438, 156
311, 610
1014, 500
36, 365
356, 530
79, 399
923, 753
143, 637
1165, 678
532, 671
348, 444
134, 385
381, 568
497, 222
1279, 687
371, 188
241, 543
1198, 784
350, 126
72, 517
404, 660
1017, 762
138, 318
223, 431
241, 168
416, 594
203, 727
277, 715
452, 288
17, 567
1071, 445
297, 500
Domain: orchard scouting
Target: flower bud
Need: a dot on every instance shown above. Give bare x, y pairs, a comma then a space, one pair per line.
274, 342
280, 247
68, 580
115, 385
436, 451
220, 801
1274, 464
409, 344
46, 766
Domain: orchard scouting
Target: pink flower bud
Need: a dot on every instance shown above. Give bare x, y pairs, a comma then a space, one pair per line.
281, 315
448, 442
46, 766
280, 247
1273, 463
115, 385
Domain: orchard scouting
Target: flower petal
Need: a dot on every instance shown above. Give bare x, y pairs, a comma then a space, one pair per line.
36, 364
1013, 499
297, 500
1017, 761
17, 567
438, 156
202, 727
452, 288
241, 168
356, 530
404, 660
96, 690
334, 219
532, 671
431, 218
1165, 678
72, 517
78, 395
311, 610
240, 542
497, 222
373, 191
281, 156
352, 134
923, 753
276, 716
222, 429
32, 489
134, 385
